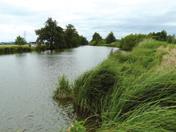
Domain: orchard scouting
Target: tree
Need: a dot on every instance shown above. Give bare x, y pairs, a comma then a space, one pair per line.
20, 40
96, 38
83, 40
51, 35
110, 38
71, 36
161, 36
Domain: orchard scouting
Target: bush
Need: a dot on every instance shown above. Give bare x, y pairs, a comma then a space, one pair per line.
98, 43
130, 41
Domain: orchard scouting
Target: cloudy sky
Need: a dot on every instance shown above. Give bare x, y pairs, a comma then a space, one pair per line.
120, 16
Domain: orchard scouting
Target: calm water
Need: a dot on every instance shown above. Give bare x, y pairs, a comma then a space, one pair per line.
27, 82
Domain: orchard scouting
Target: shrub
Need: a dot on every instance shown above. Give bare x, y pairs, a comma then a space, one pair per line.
130, 41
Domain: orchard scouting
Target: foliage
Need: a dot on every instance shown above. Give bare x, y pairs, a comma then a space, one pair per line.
98, 84
142, 96
71, 36
78, 127
130, 41
9, 49
171, 39
51, 34
83, 40
161, 36
40, 47
64, 90
55, 37
110, 38
20, 40
96, 39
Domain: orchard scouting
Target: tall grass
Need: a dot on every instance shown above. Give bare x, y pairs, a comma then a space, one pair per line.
9, 49
64, 90
131, 91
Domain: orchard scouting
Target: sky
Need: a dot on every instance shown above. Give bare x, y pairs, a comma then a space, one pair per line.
23, 17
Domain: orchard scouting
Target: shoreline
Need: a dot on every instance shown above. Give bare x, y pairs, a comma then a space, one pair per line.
125, 87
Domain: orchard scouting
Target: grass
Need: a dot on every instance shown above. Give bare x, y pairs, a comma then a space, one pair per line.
113, 44
130, 91
11, 49
64, 91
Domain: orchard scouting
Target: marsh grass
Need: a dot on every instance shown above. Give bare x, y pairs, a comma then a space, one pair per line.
64, 92
131, 91
9, 49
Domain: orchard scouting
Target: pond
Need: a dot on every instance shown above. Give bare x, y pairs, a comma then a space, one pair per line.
27, 83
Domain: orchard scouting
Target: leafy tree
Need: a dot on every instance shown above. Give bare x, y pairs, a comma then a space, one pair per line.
71, 36
96, 38
83, 40
110, 38
51, 34
20, 40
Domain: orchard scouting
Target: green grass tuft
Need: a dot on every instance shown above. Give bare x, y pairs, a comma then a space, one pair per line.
131, 91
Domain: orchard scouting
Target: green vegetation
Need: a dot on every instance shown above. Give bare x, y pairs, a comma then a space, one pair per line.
110, 38
130, 41
64, 91
9, 49
130, 91
50, 37
96, 39
78, 127
55, 37
20, 41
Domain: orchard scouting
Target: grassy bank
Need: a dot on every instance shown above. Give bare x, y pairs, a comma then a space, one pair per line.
130, 91
11, 49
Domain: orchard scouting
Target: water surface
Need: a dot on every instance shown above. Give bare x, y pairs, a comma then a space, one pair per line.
27, 82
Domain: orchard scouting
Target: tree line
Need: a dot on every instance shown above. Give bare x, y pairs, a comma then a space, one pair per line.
98, 40
129, 41
55, 37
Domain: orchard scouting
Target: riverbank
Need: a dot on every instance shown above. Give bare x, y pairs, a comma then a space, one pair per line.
11, 49
130, 91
